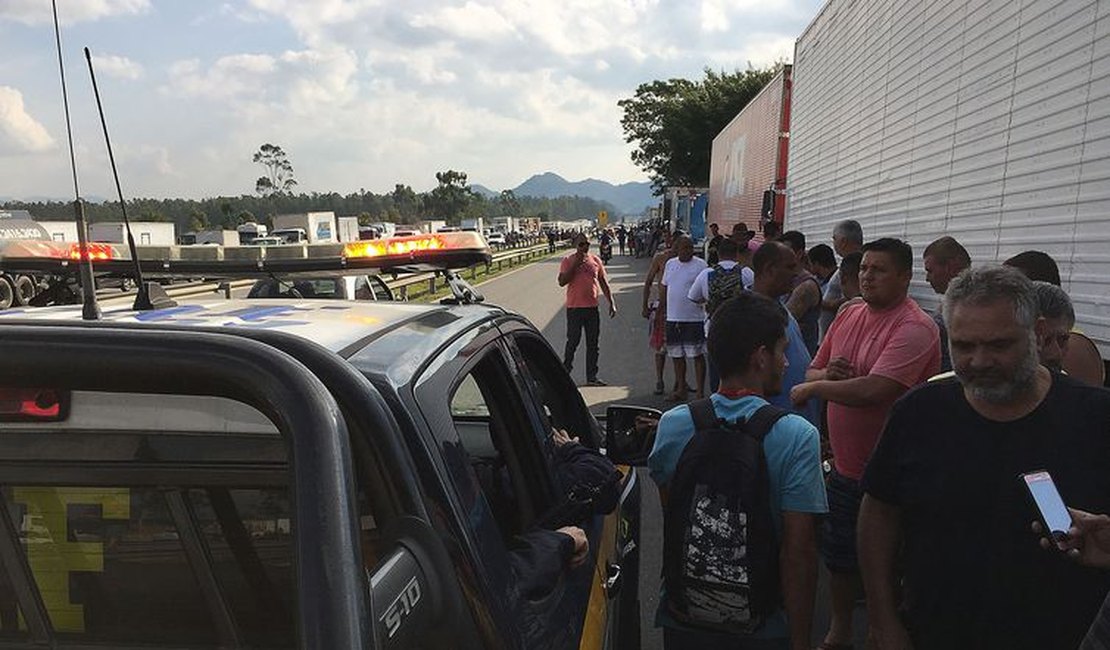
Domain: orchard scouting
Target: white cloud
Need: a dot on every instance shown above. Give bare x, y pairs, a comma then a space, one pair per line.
37, 12
300, 81
117, 66
470, 21
17, 128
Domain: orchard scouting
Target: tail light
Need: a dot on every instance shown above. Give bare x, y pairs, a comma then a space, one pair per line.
33, 405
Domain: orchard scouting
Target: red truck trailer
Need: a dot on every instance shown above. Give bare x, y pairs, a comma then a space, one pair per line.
747, 173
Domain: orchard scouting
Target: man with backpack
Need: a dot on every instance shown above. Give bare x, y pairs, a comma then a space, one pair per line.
741, 486
721, 281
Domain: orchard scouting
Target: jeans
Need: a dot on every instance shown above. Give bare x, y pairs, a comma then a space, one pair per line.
577, 319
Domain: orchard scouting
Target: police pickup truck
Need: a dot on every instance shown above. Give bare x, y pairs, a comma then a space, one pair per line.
294, 473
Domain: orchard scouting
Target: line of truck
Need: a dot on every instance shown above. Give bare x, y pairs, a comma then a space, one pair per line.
988, 121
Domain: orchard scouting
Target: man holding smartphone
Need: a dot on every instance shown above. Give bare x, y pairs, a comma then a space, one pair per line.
946, 479
582, 273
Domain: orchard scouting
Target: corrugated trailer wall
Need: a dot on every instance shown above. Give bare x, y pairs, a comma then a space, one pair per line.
744, 158
986, 120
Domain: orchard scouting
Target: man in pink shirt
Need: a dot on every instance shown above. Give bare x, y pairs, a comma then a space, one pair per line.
582, 273
874, 351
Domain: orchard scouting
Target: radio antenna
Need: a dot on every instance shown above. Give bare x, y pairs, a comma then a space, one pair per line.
142, 295
90, 310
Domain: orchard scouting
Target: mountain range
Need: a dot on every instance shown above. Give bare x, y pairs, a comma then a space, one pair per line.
627, 198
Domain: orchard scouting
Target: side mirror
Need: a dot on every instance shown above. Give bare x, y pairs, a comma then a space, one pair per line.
224, 288
630, 434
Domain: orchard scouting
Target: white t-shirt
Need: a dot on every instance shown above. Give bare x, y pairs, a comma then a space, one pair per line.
699, 292
678, 277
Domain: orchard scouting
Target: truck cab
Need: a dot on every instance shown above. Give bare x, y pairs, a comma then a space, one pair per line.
294, 474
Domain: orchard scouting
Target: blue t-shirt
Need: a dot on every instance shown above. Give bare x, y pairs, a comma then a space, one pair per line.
797, 362
796, 482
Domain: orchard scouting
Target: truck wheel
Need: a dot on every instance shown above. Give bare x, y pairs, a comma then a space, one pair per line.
24, 290
7, 293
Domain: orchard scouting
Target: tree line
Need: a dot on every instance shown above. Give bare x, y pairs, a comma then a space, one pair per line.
452, 201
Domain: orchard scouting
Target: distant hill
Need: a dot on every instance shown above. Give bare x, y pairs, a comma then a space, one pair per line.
629, 198
484, 191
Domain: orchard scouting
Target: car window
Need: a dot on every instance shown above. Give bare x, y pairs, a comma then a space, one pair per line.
560, 399
315, 288
488, 414
129, 533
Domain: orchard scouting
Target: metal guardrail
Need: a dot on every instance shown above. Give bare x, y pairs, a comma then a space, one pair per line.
401, 285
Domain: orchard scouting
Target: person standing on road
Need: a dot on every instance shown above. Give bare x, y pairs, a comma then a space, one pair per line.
685, 333
804, 302
847, 239
712, 255
717, 283
622, 234
875, 350
657, 318
776, 266
582, 273
944, 259
751, 368
944, 493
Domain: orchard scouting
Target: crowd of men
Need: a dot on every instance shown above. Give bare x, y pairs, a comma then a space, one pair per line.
928, 421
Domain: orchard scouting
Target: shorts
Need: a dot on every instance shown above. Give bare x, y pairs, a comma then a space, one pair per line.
685, 339
838, 533
656, 328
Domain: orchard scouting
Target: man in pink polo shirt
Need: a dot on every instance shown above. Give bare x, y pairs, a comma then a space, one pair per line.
874, 351
582, 273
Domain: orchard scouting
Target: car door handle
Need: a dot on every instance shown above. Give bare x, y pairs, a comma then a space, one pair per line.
613, 580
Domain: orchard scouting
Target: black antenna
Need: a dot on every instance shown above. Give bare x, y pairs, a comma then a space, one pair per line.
142, 294
89, 309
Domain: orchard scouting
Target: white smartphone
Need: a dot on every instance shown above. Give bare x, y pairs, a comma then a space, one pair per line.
1054, 514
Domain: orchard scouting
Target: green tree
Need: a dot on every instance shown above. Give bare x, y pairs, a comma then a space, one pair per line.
279, 171
198, 221
509, 204
672, 123
449, 201
405, 200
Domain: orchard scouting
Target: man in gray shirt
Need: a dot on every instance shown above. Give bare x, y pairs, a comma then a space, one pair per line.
847, 238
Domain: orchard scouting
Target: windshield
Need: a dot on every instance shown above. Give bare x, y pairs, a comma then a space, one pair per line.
317, 288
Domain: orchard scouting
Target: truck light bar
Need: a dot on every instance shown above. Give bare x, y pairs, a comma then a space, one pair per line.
438, 251
97, 252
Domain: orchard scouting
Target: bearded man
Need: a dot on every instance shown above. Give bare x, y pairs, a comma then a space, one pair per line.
943, 491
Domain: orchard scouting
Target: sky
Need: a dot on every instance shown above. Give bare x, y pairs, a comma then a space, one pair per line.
361, 94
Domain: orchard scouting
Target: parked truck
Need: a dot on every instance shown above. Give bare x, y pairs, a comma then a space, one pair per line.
431, 225
477, 224
250, 231
346, 228
318, 227
748, 163
986, 121
145, 233
18, 288
221, 237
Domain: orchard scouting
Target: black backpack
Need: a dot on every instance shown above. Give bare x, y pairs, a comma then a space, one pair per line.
720, 550
723, 284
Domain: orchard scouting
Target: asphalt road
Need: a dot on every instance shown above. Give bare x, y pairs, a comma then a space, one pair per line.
626, 365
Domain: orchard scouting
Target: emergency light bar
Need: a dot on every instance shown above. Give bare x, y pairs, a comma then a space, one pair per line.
433, 252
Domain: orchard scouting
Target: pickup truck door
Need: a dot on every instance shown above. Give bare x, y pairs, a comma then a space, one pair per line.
611, 618
483, 424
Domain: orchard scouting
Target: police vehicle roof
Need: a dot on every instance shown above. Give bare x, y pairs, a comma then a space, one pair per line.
343, 327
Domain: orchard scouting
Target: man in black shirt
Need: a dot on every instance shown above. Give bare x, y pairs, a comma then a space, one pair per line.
944, 481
